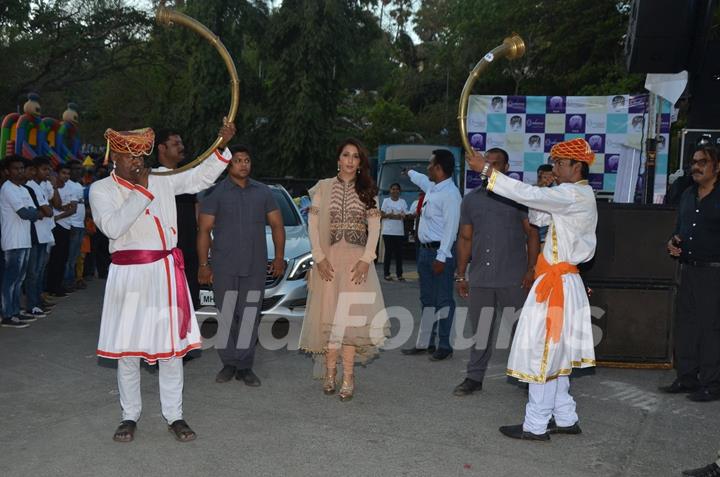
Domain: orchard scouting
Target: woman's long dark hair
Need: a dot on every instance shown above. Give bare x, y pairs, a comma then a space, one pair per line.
364, 183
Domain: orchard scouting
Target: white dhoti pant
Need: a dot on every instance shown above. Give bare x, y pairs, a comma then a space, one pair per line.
551, 399
170, 376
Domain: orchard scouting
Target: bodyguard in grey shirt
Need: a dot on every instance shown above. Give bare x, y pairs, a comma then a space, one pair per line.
236, 210
496, 232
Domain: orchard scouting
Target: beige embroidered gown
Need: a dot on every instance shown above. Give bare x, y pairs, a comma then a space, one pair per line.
339, 312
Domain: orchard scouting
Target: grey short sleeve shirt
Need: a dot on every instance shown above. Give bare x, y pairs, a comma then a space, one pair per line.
499, 243
239, 245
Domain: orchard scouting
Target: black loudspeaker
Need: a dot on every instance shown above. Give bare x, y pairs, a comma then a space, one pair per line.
705, 90
660, 35
636, 324
631, 244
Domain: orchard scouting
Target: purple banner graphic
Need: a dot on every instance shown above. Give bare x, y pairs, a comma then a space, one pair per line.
516, 104
555, 104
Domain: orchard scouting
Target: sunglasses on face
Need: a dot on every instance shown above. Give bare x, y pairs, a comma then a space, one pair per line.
698, 162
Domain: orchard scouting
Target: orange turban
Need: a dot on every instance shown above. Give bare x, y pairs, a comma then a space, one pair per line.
576, 149
136, 142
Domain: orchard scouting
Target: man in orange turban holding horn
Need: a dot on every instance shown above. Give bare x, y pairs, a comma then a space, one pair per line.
146, 310
554, 333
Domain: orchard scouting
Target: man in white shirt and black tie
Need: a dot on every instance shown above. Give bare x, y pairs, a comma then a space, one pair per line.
437, 233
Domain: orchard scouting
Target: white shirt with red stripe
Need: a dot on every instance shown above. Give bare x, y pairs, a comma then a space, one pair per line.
570, 211
140, 313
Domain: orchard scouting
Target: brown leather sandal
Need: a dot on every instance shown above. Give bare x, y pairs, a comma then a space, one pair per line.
182, 431
125, 431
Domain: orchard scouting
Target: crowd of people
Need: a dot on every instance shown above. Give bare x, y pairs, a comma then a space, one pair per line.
49, 241
505, 245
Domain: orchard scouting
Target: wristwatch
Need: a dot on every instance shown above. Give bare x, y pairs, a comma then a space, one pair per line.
485, 170
459, 278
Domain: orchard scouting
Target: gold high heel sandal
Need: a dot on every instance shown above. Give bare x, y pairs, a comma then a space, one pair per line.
329, 386
347, 388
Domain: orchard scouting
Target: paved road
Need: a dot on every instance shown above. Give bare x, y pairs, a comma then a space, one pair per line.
59, 407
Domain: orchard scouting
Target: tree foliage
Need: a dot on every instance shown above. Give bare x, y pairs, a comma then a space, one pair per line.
311, 71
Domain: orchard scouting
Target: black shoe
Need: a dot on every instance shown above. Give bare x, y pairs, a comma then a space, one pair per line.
401, 279
61, 294
388, 278
467, 387
441, 354
678, 388
26, 318
413, 351
13, 322
516, 432
711, 470
704, 395
225, 374
248, 377
553, 428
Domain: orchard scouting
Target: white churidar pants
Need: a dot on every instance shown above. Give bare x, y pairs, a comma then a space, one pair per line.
551, 399
171, 387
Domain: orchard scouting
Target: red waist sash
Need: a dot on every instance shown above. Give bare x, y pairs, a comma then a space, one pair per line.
142, 257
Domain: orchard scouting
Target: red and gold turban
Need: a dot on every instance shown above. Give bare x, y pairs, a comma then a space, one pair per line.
136, 142
576, 149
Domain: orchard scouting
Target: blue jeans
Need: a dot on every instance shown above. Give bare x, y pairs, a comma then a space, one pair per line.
76, 237
16, 261
436, 297
35, 273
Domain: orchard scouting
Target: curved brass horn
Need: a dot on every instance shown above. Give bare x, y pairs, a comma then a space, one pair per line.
512, 47
168, 17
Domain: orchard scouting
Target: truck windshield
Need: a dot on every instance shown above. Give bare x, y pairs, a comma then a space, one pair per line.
390, 174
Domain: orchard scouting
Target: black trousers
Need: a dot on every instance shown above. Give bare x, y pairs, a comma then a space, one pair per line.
393, 248
240, 325
697, 327
486, 325
58, 259
101, 250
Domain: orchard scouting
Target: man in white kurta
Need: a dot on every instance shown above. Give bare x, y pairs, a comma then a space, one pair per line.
146, 312
554, 332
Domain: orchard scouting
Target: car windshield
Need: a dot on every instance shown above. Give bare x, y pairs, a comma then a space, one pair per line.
390, 174
287, 208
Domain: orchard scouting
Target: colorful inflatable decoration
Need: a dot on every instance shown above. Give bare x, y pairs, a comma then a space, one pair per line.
20, 131
30, 135
28, 125
7, 135
67, 142
47, 137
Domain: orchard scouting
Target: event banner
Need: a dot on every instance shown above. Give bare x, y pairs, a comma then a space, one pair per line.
528, 126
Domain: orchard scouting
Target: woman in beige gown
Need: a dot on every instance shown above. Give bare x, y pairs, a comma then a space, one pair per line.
345, 311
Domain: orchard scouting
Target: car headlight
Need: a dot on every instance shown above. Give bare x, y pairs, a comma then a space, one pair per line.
301, 266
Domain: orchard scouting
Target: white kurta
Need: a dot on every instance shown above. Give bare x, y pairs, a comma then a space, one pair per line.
571, 212
140, 311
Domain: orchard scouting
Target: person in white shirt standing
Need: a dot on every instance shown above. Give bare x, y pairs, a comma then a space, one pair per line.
17, 212
77, 225
393, 211
37, 180
437, 232
554, 332
147, 310
61, 234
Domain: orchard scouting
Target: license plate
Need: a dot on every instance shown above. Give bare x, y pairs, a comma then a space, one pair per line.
207, 298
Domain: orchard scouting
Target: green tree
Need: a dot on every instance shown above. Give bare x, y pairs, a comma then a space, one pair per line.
310, 44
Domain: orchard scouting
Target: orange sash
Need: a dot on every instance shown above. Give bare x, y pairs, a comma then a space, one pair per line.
551, 287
